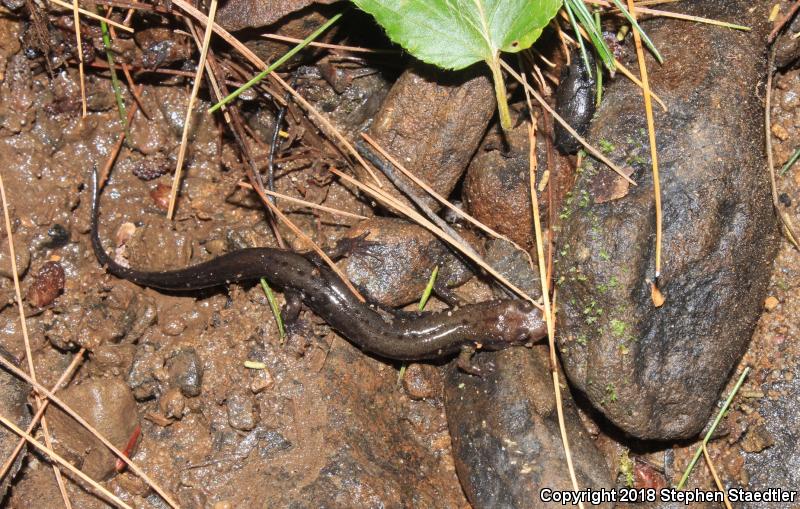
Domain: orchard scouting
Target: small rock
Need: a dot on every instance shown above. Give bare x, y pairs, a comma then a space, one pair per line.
241, 411
59, 236
771, 303
160, 196
422, 381
505, 432
432, 122
186, 372
108, 405
757, 439
47, 285
260, 380
23, 259
780, 132
172, 403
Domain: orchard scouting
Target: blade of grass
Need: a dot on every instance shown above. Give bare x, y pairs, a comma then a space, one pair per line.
577, 30
599, 81
123, 116
426, 294
638, 29
713, 427
273, 304
595, 36
289, 54
790, 162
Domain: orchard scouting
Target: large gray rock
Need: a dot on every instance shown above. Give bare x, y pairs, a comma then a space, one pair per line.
657, 372
506, 440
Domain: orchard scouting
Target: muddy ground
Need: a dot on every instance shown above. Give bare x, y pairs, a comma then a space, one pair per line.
316, 422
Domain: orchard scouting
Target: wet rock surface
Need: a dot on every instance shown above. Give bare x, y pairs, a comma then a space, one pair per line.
394, 260
432, 123
108, 405
506, 440
657, 372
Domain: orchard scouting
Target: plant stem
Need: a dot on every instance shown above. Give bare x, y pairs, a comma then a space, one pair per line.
500, 93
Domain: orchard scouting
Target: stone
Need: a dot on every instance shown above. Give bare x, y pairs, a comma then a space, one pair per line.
656, 372
504, 427
432, 122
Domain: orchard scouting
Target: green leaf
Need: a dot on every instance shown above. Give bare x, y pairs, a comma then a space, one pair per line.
454, 34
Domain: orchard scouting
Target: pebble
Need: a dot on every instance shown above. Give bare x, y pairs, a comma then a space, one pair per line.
48, 283
241, 411
770, 303
186, 372
422, 381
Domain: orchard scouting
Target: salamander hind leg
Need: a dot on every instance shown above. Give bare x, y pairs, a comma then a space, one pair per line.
466, 365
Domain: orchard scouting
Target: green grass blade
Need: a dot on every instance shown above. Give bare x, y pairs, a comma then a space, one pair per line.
289, 54
713, 427
426, 294
587, 22
636, 27
577, 30
790, 162
599, 82
123, 115
274, 305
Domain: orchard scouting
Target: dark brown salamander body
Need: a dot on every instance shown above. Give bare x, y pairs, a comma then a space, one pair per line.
494, 324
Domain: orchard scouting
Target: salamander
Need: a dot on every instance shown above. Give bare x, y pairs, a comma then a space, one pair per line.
392, 334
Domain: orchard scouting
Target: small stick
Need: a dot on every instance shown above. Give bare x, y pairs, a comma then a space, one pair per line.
176, 180
93, 15
66, 464
305, 203
564, 123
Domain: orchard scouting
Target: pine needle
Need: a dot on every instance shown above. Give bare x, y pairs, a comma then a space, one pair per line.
176, 180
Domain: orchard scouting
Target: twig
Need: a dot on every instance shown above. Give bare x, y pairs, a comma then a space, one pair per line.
548, 311
388, 169
783, 22
717, 480
77, 21
338, 47
25, 337
176, 180
651, 132
564, 123
66, 464
93, 15
305, 203
40, 412
91, 429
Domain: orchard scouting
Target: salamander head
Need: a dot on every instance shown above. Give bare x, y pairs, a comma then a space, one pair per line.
516, 322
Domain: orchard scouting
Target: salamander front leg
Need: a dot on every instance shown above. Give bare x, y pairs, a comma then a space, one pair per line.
465, 364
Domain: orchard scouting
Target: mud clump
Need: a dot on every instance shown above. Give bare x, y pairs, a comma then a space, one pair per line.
657, 372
